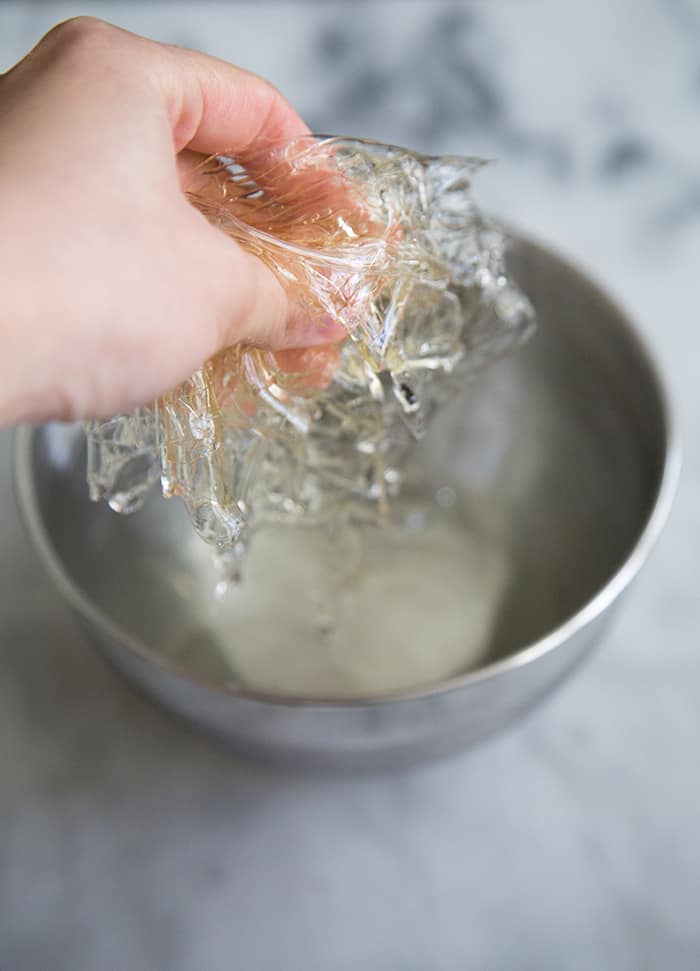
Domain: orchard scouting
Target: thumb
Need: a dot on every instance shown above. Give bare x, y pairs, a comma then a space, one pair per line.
252, 305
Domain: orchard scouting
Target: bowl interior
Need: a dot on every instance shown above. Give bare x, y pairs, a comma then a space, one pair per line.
526, 496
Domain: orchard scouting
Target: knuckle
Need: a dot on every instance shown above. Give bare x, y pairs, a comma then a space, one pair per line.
77, 29
78, 34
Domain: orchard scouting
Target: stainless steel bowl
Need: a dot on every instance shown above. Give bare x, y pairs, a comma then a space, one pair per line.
566, 448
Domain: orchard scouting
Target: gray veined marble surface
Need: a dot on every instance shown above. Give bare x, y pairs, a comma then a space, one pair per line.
574, 841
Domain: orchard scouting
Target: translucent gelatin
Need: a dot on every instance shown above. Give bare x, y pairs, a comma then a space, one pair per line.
383, 240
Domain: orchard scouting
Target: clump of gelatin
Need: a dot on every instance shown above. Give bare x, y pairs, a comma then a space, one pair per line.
384, 241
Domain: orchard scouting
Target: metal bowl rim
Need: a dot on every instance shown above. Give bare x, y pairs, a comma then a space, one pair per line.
25, 497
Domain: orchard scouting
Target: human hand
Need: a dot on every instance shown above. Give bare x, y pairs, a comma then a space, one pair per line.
113, 288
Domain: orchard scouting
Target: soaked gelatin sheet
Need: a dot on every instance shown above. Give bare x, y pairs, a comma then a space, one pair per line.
386, 242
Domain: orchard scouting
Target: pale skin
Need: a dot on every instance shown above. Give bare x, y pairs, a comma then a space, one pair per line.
114, 288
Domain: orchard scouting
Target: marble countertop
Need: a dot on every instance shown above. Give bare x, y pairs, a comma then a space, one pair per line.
127, 841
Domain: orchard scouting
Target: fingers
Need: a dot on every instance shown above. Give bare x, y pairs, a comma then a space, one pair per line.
211, 106
221, 107
216, 107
